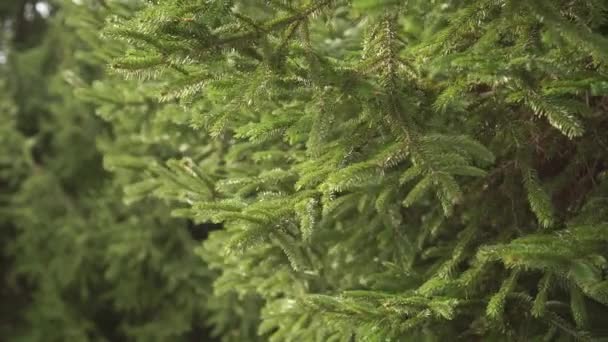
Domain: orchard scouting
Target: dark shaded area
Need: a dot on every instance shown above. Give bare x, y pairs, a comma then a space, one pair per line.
200, 232
200, 333
27, 24
13, 293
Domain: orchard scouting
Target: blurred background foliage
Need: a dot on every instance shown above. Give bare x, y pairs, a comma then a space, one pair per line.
78, 264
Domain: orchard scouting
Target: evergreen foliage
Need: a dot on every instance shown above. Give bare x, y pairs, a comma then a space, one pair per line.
373, 170
77, 263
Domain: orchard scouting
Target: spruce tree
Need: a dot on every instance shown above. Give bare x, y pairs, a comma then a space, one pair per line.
311, 170
384, 170
77, 263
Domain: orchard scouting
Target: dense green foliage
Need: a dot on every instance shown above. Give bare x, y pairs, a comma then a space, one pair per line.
307, 170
